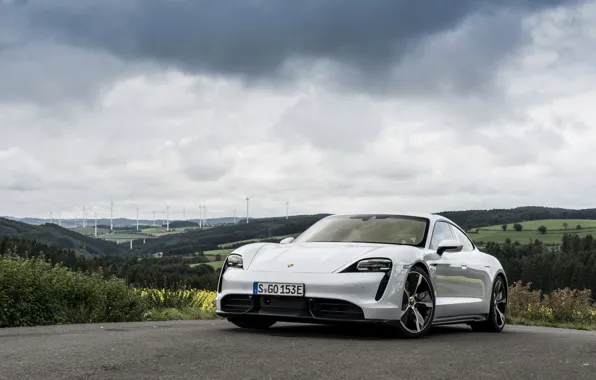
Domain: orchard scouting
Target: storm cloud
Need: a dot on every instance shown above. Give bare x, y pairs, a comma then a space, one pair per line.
363, 44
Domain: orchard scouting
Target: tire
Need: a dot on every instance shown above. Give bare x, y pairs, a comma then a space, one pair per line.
497, 316
418, 301
259, 323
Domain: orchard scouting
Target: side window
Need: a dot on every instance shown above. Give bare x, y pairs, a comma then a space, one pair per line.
441, 232
468, 246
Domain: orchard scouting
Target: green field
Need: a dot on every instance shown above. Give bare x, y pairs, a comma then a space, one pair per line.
223, 252
554, 231
214, 264
90, 230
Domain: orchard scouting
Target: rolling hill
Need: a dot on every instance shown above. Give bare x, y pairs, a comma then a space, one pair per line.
209, 239
60, 237
483, 218
555, 229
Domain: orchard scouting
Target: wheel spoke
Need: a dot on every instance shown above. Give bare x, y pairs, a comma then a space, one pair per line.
419, 320
418, 283
405, 316
501, 316
427, 304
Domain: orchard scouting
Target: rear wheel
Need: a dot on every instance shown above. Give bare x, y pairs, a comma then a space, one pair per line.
498, 309
418, 305
259, 323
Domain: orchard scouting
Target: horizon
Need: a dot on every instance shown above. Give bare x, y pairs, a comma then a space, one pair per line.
243, 217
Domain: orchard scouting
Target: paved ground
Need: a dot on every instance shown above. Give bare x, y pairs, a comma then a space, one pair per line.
217, 350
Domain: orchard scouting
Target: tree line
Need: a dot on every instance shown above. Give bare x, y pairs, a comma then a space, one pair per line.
570, 264
165, 272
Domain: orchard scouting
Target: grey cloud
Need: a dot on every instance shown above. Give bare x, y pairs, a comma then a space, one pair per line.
255, 40
331, 123
206, 172
43, 72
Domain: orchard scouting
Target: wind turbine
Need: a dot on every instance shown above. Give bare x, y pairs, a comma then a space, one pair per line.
111, 214
84, 216
95, 215
204, 215
51, 218
167, 217
286, 209
247, 198
234, 216
137, 217
201, 216
60, 219
153, 218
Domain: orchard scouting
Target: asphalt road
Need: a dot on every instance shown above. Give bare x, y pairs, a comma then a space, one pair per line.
217, 350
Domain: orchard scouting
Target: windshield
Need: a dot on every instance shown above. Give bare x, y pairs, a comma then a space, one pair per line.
382, 229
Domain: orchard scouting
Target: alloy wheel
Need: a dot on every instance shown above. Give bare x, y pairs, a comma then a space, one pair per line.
500, 303
417, 303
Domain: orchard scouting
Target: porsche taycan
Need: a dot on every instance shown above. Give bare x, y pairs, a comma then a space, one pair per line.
407, 271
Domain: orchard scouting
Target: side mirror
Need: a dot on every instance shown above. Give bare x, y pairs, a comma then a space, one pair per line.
449, 245
287, 240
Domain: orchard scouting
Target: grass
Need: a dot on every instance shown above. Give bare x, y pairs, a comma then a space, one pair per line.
223, 252
554, 231
216, 264
90, 230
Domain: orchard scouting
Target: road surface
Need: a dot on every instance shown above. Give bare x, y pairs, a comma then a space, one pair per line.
214, 350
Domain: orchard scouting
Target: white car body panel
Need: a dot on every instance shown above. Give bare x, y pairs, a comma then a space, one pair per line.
462, 280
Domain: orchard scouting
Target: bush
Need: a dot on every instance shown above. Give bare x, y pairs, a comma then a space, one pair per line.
559, 306
34, 292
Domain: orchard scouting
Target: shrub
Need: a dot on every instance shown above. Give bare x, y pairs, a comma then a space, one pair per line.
559, 306
34, 292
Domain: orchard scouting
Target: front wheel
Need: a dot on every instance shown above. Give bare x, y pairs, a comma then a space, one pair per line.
259, 323
418, 305
498, 309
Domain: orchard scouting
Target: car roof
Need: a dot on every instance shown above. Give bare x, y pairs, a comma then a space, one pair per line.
431, 217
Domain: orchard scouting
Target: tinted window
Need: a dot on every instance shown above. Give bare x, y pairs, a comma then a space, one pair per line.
468, 246
384, 229
441, 232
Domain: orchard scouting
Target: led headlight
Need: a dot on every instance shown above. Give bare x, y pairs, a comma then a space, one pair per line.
374, 265
235, 261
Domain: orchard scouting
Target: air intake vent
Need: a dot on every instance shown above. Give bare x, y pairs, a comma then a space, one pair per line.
237, 303
335, 309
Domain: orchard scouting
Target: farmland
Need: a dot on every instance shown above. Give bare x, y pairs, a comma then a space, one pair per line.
555, 229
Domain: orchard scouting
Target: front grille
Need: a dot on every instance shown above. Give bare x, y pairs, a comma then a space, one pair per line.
335, 309
287, 306
237, 303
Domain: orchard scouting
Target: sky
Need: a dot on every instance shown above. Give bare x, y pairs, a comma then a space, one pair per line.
335, 106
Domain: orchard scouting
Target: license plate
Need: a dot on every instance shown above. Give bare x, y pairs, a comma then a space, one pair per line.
278, 289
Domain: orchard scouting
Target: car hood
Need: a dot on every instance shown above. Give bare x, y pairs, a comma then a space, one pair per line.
309, 257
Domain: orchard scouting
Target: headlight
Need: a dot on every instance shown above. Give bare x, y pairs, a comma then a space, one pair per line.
235, 261
374, 265
370, 265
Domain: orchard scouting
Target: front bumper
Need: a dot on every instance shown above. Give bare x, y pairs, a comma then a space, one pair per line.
355, 297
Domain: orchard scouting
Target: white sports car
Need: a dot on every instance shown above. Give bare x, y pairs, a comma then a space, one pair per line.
409, 271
